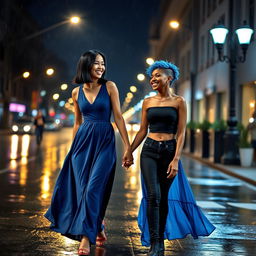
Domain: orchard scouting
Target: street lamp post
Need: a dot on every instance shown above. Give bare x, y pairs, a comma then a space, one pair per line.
219, 33
7, 70
72, 20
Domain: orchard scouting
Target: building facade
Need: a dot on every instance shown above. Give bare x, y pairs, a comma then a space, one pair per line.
19, 54
204, 80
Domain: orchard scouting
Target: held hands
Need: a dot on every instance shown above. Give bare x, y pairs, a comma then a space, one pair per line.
127, 160
172, 169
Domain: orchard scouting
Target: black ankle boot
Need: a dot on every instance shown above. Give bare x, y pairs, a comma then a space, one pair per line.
154, 249
161, 247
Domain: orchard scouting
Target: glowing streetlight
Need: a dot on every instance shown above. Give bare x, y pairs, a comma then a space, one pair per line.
64, 87
42, 93
62, 103
67, 105
55, 96
75, 19
127, 100
26, 75
133, 88
49, 71
141, 77
174, 24
129, 95
251, 104
150, 61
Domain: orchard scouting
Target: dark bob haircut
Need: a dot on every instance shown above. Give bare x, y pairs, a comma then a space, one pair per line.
84, 67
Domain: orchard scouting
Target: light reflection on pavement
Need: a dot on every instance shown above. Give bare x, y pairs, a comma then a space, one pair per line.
27, 178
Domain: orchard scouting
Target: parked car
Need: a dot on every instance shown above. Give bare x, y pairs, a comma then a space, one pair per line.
52, 125
23, 125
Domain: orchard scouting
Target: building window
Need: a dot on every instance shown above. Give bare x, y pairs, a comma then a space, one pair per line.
209, 7
188, 64
248, 102
200, 109
214, 5
203, 10
209, 45
202, 55
213, 53
183, 67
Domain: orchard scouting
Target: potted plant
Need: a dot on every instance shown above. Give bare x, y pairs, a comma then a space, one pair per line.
204, 127
192, 126
219, 127
245, 148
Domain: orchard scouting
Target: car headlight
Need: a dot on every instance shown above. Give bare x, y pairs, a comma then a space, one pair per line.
15, 128
26, 128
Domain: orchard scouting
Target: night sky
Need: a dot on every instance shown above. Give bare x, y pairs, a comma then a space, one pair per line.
120, 29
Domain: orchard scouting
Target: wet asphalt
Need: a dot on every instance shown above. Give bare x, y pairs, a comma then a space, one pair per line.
27, 176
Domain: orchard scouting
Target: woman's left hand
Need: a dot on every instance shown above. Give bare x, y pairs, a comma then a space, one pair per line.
172, 169
127, 160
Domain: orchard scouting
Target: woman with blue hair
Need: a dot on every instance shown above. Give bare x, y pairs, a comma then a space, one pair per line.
168, 209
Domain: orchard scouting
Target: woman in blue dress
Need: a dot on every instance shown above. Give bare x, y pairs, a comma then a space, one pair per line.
84, 184
168, 209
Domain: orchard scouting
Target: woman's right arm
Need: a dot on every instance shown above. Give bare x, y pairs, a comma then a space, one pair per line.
141, 134
78, 115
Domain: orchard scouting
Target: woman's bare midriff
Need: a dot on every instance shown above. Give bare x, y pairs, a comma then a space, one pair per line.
161, 136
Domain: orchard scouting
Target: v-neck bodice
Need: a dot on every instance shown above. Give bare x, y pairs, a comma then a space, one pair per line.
99, 110
86, 96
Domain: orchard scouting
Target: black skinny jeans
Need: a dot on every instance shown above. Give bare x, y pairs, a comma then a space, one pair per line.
154, 161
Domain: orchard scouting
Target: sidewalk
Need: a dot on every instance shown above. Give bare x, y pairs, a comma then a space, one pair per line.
247, 174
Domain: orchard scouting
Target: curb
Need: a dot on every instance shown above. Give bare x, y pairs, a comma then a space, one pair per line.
220, 168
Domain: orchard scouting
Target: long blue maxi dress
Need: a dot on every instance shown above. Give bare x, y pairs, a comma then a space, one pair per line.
84, 184
184, 216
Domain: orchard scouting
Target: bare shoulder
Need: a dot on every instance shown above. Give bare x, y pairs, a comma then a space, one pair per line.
110, 85
179, 99
147, 101
75, 92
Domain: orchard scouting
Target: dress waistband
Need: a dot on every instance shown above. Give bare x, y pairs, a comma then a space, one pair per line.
95, 120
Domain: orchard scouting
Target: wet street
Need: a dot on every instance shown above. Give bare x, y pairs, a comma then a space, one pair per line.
27, 176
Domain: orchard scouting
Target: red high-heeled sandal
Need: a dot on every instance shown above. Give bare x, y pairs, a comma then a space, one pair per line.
83, 251
100, 240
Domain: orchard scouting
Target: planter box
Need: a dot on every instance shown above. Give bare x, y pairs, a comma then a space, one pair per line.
192, 140
218, 145
205, 144
246, 156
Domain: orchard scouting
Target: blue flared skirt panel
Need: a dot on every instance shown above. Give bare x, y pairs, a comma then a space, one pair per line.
184, 216
84, 183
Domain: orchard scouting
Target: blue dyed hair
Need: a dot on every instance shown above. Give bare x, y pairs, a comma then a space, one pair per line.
164, 65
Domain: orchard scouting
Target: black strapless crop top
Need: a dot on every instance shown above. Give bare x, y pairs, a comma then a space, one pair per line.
162, 119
